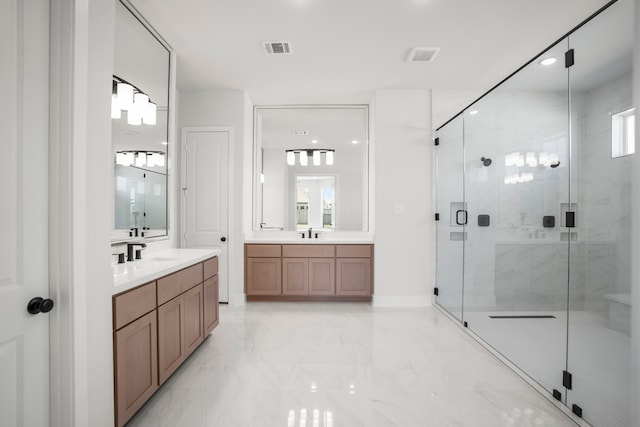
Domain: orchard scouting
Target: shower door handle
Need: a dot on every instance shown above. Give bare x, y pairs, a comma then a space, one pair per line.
461, 214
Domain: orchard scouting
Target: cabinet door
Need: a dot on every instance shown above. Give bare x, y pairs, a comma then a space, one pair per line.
295, 276
171, 349
136, 365
193, 328
353, 276
322, 276
264, 276
210, 308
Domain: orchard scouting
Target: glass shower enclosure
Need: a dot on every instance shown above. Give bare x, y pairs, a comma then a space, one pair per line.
533, 196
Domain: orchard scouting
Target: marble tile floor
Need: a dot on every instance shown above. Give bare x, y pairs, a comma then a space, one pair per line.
343, 364
598, 358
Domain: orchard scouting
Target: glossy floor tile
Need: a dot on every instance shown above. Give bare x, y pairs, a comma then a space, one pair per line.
343, 364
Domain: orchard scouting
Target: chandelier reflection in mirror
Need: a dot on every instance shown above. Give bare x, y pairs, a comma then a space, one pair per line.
127, 97
140, 159
315, 155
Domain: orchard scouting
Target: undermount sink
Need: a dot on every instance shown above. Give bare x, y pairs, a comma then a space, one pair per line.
165, 258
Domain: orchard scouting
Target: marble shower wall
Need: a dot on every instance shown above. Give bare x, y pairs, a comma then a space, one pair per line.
516, 263
605, 190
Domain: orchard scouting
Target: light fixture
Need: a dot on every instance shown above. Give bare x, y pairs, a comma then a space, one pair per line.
548, 61
315, 154
329, 158
141, 158
473, 112
355, 141
127, 97
314, 141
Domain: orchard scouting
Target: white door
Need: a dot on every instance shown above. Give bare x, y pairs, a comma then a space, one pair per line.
205, 184
24, 133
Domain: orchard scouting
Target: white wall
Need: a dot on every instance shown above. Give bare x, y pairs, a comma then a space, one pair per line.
635, 274
80, 214
227, 108
404, 224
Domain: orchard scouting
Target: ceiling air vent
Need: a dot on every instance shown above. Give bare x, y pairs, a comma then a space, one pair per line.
277, 48
423, 54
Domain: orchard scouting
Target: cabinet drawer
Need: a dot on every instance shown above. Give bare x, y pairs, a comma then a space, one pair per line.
174, 284
210, 267
134, 304
353, 251
263, 251
308, 251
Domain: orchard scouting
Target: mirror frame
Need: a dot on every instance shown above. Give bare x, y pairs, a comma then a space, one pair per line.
255, 178
117, 234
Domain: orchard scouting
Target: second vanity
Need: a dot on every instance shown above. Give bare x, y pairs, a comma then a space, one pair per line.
316, 270
163, 309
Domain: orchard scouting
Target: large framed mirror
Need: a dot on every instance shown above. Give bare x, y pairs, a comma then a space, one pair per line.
140, 127
311, 168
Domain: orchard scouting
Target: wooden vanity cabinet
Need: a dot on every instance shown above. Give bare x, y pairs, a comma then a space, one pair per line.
303, 275
210, 297
156, 327
135, 346
263, 270
308, 271
353, 270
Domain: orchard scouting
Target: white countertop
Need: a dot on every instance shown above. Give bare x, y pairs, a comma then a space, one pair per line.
326, 238
158, 264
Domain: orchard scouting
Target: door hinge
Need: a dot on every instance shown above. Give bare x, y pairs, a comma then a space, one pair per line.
577, 410
436, 141
567, 379
570, 219
465, 324
569, 58
437, 217
435, 291
557, 395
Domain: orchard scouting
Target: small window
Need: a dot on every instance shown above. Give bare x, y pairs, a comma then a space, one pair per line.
623, 133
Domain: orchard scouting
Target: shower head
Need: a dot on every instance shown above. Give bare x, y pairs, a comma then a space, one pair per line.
486, 161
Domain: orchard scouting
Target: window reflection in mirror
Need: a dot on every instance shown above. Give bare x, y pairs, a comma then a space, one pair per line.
315, 202
140, 148
301, 153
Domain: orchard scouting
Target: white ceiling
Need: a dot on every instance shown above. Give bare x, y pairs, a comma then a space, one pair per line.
345, 49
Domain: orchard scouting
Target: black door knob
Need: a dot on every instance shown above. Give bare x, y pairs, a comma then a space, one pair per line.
40, 305
223, 239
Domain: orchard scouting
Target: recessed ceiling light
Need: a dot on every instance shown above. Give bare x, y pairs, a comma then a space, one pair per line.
314, 141
548, 61
164, 143
473, 112
355, 141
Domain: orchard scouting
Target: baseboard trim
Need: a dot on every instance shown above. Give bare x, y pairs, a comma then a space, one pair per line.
401, 300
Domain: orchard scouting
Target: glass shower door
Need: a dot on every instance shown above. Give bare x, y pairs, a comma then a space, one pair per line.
600, 244
450, 230
515, 269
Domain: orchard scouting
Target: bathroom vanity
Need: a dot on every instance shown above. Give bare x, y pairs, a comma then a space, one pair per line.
163, 309
319, 271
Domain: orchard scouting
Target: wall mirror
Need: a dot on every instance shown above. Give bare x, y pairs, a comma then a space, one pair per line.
311, 168
140, 127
